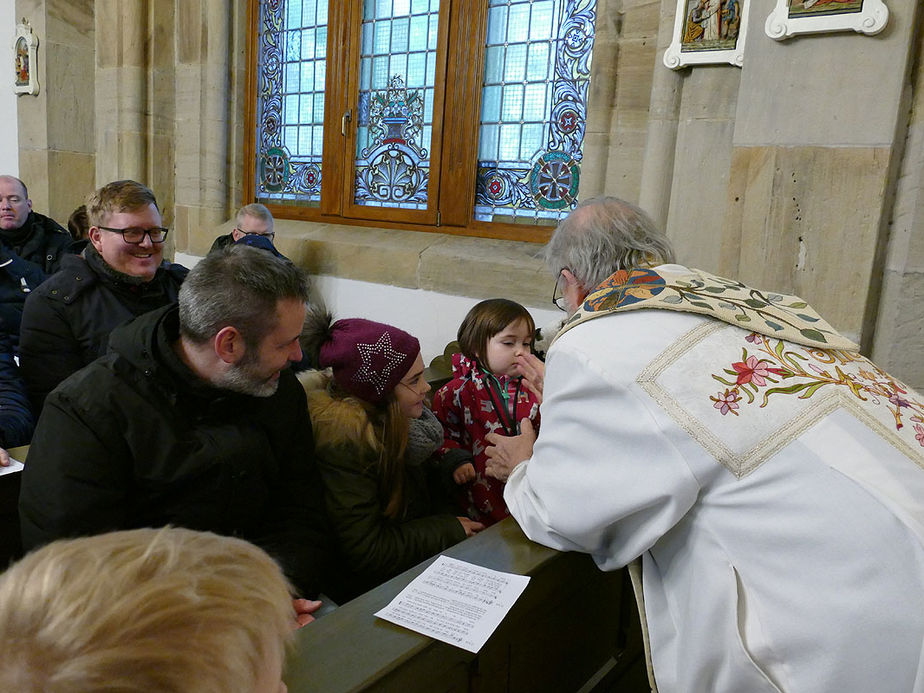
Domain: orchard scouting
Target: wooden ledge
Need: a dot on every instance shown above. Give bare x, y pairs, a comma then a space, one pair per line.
563, 629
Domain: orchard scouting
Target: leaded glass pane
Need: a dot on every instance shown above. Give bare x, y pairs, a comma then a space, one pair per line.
290, 104
399, 36
487, 145
418, 35
490, 106
395, 108
416, 70
533, 109
537, 63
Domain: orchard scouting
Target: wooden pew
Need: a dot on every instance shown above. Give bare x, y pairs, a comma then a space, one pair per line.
575, 628
10, 541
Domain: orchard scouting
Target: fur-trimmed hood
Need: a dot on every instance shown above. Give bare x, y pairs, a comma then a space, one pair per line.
335, 420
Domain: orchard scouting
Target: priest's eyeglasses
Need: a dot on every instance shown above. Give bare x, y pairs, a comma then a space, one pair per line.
558, 297
135, 235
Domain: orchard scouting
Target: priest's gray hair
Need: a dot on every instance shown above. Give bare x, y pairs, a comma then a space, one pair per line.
602, 236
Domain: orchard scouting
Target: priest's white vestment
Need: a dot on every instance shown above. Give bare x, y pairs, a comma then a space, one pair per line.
774, 490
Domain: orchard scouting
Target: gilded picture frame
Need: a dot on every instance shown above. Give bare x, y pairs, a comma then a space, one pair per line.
708, 31
791, 17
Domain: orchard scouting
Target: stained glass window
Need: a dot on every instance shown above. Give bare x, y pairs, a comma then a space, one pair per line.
397, 135
533, 109
290, 107
395, 110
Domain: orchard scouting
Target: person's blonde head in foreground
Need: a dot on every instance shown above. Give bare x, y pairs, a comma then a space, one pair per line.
145, 610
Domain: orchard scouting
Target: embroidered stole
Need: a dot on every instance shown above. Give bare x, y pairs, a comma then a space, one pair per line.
693, 291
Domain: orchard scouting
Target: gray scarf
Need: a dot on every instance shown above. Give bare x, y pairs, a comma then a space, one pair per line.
424, 437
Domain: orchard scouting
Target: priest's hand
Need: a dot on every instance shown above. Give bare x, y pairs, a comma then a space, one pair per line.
533, 372
506, 452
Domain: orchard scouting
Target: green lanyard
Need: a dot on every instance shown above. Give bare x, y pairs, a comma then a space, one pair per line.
508, 418
501, 390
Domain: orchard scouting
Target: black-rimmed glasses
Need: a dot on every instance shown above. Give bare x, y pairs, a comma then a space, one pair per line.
135, 234
558, 297
269, 234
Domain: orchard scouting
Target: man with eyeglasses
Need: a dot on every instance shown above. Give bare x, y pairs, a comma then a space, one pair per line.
118, 276
252, 222
764, 480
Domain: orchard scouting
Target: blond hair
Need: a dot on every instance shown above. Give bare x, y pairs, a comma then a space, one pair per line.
143, 610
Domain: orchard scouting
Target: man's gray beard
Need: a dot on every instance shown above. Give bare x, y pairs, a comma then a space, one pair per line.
241, 379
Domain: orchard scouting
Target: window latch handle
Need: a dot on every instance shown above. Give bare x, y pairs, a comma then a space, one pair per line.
343, 123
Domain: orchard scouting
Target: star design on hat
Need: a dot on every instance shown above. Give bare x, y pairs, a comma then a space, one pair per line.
378, 361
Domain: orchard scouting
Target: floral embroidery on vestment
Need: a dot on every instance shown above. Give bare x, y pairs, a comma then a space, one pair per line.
774, 368
694, 291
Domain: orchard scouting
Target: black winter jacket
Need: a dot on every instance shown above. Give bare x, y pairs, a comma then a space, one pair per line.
41, 241
16, 421
136, 440
222, 242
18, 278
28, 255
67, 321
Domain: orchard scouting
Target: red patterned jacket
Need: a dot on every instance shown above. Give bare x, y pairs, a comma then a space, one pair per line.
470, 406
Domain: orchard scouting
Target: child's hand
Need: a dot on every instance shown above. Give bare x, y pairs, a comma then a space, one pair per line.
470, 526
464, 473
304, 608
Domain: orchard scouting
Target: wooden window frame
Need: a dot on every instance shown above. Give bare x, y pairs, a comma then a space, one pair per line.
454, 155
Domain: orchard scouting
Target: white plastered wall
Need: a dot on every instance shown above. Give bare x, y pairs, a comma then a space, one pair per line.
432, 317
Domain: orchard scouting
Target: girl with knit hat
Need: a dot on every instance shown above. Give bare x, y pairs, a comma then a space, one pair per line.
375, 439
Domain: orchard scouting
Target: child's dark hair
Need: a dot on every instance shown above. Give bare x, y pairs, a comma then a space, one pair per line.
485, 320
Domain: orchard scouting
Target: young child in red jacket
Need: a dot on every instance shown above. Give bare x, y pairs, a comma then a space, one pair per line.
486, 394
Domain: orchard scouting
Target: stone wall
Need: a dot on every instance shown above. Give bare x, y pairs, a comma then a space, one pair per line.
800, 171
57, 146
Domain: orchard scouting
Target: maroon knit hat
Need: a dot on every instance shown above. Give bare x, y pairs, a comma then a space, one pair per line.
368, 358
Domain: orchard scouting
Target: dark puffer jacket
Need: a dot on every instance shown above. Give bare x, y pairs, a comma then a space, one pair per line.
136, 440
41, 241
67, 321
223, 241
16, 421
18, 278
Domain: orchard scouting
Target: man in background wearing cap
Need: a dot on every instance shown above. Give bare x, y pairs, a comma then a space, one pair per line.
193, 419
121, 274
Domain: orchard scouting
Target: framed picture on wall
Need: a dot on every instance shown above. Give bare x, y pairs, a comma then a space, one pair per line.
25, 78
708, 31
791, 17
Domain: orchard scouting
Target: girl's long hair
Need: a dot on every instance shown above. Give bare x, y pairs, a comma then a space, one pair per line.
387, 435
392, 433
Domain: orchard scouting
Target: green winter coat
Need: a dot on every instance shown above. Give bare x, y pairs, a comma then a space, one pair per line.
373, 547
